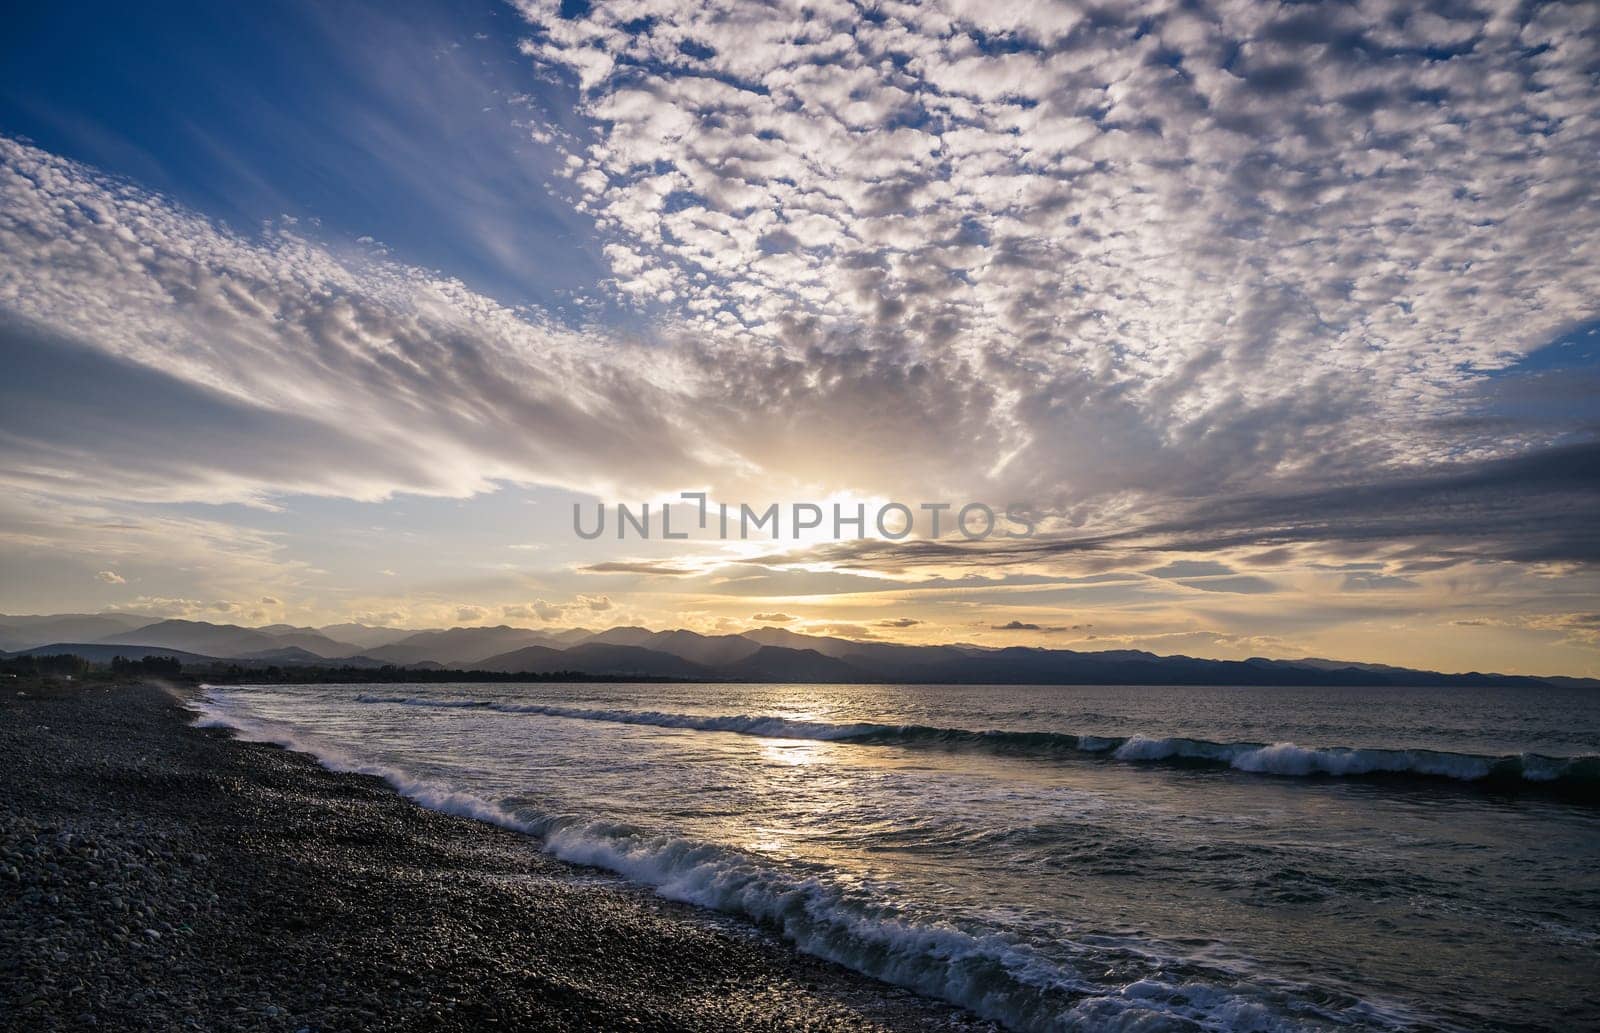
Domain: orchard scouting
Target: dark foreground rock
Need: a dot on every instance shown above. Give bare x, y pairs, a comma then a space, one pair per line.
157, 876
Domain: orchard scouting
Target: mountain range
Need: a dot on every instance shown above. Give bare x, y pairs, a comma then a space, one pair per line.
761, 655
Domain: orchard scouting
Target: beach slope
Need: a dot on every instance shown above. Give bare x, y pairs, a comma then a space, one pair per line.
154, 875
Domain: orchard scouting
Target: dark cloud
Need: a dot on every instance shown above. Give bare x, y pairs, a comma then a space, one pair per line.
1362, 581
1190, 568
1244, 584
1270, 557
842, 628
1535, 507
635, 567
1025, 626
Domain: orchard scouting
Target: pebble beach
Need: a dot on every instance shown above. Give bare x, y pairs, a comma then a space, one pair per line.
159, 876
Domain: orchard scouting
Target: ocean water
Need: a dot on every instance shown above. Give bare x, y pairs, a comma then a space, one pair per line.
1056, 858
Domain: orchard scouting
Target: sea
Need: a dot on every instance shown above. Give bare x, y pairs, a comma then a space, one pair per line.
1054, 857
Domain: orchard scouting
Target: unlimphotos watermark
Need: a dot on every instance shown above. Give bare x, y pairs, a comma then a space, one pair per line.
974, 521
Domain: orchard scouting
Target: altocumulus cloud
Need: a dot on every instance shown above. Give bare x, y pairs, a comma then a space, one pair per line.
308, 372
1110, 264
1209, 231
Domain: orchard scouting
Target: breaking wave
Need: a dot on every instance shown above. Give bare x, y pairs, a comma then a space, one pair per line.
1579, 776
997, 976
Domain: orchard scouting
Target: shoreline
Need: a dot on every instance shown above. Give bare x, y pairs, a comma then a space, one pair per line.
156, 875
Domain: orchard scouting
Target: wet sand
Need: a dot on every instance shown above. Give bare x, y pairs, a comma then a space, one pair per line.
158, 876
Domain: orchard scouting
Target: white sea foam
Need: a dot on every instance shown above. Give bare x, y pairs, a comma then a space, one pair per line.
1286, 758
994, 975
1283, 759
1139, 747
742, 724
432, 795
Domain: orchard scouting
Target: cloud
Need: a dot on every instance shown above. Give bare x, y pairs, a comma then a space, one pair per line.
1577, 628
195, 363
543, 610
1534, 507
379, 618
43, 537
634, 567
1529, 508
172, 607
471, 614
1190, 568
1121, 220
536, 610
1212, 289
1015, 625
111, 577
898, 622
773, 618
1244, 584
751, 580
1364, 581
213, 367
268, 600
842, 628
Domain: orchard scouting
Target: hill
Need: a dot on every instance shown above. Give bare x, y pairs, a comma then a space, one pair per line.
100, 653
22, 632
597, 658
766, 654
363, 636
780, 664
228, 640
457, 646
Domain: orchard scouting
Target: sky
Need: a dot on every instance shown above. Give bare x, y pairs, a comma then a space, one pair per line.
1281, 322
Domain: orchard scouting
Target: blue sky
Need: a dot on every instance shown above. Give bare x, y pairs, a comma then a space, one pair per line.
401, 122
314, 312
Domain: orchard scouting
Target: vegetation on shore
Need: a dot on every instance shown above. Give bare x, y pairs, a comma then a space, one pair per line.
25, 673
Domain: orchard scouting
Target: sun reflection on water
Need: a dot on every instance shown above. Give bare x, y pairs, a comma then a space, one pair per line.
795, 752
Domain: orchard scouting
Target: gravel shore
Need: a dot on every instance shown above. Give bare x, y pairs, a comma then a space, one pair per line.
158, 876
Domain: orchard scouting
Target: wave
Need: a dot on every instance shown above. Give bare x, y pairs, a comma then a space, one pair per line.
765, 727
996, 976
1578, 776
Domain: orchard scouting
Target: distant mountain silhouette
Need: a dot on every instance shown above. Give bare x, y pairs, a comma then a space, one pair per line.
627, 635
764, 655
781, 655
228, 640
596, 658
457, 646
100, 653
824, 644
363, 636
710, 650
530, 659
21, 632
781, 664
